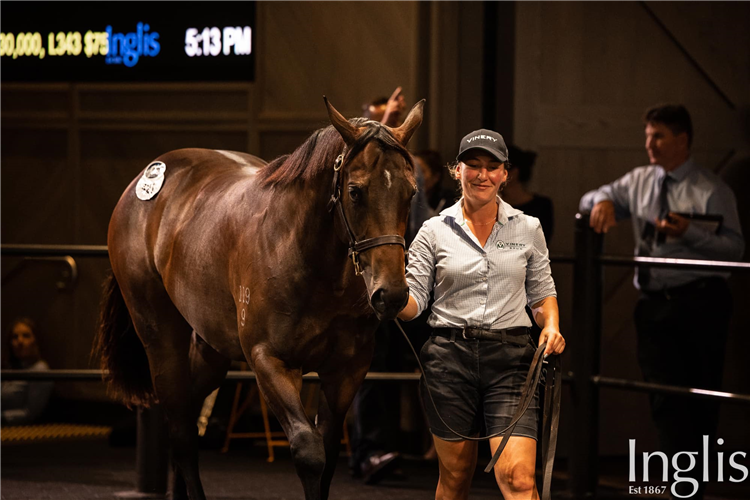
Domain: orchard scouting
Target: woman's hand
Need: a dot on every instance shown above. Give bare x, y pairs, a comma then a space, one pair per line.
554, 339
410, 310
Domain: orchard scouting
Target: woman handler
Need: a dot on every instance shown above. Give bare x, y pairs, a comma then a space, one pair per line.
484, 261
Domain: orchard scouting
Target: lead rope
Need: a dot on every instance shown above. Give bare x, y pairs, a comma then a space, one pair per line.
551, 410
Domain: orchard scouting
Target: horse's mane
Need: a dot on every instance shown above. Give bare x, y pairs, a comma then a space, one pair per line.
320, 150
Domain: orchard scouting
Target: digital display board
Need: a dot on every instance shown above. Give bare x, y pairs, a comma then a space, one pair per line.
127, 41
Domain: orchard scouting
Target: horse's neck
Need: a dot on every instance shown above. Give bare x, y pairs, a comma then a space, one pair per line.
312, 221
306, 240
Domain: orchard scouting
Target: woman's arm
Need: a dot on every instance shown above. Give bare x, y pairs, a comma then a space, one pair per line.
547, 316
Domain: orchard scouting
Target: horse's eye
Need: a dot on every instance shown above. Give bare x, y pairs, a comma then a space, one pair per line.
355, 194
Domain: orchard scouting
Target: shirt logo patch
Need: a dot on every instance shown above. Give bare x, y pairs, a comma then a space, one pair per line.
510, 245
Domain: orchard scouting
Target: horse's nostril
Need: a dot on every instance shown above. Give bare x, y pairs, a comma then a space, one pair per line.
389, 299
378, 300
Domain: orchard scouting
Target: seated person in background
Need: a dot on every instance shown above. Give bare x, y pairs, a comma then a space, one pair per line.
438, 195
516, 194
24, 401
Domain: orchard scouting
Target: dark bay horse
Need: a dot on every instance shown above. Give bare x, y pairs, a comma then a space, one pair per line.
235, 259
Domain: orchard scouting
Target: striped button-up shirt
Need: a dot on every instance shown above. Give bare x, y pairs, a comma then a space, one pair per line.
482, 287
692, 190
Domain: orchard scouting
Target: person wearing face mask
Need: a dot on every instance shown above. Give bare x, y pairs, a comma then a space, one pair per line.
24, 401
678, 210
484, 261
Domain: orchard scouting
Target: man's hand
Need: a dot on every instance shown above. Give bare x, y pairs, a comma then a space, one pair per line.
603, 216
555, 340
674, 225
394, 109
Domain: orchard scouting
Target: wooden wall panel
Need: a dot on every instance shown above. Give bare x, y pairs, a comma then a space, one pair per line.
349, 51
276, 143
48, 100
37, 182
712, 33
183, 101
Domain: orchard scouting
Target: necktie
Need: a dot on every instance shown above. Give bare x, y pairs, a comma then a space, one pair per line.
649, 237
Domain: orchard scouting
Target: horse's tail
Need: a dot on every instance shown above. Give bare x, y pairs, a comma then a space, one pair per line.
123, 359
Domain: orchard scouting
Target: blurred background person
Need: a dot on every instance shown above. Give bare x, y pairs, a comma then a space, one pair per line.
440, 190
682, 315
517, 194
24, 401
386, 110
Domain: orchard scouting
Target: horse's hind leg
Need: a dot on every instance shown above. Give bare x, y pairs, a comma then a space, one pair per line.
208, 369
281, 386
336, 397
166, 337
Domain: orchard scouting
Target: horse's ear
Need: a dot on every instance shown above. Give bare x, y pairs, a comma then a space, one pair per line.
347, 130
410, 125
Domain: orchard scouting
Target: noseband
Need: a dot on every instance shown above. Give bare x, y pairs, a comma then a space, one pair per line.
356, 247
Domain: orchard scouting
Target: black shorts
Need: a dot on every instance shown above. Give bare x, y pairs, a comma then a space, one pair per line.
470, 379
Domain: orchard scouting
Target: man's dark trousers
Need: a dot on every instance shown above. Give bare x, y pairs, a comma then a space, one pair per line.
681, 340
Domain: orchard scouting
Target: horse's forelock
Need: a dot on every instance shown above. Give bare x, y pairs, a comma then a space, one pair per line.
382, 134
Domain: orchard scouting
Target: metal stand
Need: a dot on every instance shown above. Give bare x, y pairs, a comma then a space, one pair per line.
152, 458
587, 320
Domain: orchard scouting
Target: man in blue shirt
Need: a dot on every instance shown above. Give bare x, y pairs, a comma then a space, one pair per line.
678, 210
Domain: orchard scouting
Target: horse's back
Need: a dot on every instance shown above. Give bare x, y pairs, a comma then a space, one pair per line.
186, 173
203, 165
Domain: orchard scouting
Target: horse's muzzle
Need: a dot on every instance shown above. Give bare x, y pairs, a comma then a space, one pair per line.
389, 301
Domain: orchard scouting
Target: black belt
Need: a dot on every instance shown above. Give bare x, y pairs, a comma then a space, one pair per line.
515, 335
695, 286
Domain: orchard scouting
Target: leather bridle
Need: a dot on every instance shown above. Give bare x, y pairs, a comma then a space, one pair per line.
356, 247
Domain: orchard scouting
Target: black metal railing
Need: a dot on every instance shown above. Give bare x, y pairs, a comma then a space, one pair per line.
587, 323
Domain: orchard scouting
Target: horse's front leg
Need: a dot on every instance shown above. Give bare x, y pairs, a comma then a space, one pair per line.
280, 387
337, 394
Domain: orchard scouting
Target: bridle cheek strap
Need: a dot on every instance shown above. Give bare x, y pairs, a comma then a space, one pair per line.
356, 247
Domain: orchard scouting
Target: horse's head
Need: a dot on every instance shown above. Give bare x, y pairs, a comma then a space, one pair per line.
377, 182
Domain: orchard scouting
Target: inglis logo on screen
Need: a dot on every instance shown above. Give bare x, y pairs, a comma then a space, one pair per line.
127, 48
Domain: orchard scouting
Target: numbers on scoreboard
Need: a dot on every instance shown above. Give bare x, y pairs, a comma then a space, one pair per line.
215, 41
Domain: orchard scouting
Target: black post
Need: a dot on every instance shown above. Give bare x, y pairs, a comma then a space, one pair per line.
152, 457
587, 320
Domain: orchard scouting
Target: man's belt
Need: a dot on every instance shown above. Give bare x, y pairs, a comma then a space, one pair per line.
517, 335
695, 286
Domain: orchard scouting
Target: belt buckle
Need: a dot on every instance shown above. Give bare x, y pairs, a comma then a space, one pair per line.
463, 333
